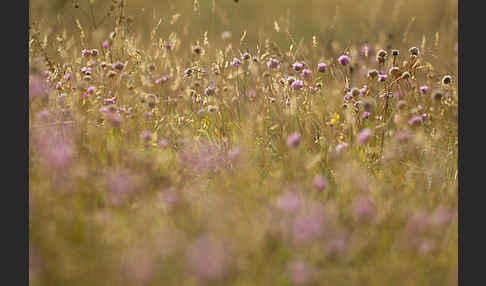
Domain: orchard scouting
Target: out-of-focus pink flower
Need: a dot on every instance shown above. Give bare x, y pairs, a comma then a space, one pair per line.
363, 209
301, 272
293, 140
208, 259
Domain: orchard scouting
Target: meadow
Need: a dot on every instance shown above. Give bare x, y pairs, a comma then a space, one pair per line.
243, 142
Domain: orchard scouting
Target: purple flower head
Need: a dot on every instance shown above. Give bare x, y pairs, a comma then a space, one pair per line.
348, 97
68, 76
146, 135
293, 140
364, 136
321, 67
306, 73
207, 259
320, 182
340, 147
363, 209
366, 114
290, 202
298, 66
246, 56
236, 62
122, 184
382, 77
287, 101
344, 60
414, 121
163, 143
297, 84
424, 116
59, 85
105, 45
301, 272
424, 89
308, 226
118, 66
91, 90
161, 80
273, 63
86, 53
313, 89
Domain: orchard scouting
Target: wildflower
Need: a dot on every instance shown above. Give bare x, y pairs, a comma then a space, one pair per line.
103, 65
298, 66
90, 90
424, 116
364, 136
382, 77
59, 85
297, 84
415, 120
293, 140
273, 63
163, 143
301, 272
236, 62
366, 114
309, 226
68, 76
313, 89
363, 209
446, 80
161, 80
85, 53
287, 101
118, 66
207, 258
108, 101
146, 135
340, 147
343, 60
320, 182
424, 89
289, 202
306, 73
105, 45
321, 67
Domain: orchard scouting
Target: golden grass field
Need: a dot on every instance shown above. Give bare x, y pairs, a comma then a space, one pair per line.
243, 142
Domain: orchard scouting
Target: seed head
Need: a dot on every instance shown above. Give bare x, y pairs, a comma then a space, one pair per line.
395, 53
414, 51
446, 80
372, 73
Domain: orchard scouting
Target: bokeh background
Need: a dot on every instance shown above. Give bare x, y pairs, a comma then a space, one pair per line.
344, 21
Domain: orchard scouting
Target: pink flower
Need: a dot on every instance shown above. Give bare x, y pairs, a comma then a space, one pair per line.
293, 140
320, 182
